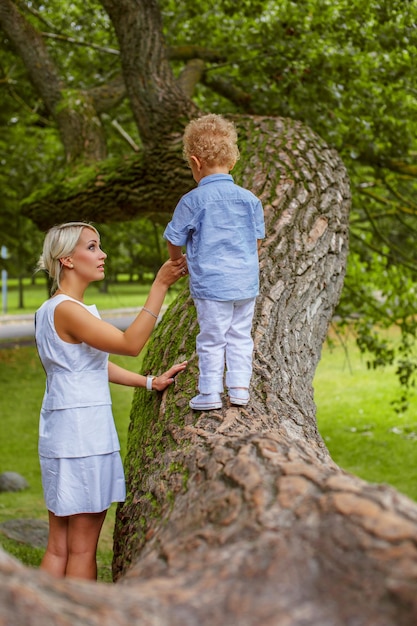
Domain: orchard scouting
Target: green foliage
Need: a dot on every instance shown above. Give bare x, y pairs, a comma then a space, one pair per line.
345, 68
136, 247
377, 296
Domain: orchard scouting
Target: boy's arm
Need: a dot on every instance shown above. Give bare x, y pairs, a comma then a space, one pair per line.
175, 252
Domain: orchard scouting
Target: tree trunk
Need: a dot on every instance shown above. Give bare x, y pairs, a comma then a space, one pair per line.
158, 103
240, 516
305, 194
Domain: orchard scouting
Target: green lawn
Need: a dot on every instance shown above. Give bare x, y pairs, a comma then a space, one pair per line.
355, 417
358, 423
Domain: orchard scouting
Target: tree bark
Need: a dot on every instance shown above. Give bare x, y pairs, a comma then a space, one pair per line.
158, 103
240, 516
305, 193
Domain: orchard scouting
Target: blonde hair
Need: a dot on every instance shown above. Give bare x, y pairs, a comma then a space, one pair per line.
212, 139
60, 241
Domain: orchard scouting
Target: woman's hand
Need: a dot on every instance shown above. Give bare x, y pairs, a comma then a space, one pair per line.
161, 382
171, 271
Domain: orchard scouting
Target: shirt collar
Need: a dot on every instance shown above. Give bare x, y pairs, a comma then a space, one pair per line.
211, 178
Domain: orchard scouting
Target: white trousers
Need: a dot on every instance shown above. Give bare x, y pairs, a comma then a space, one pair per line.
224, 338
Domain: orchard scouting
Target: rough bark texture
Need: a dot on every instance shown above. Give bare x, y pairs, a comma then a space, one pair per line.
142, 185
240, 516
158, 103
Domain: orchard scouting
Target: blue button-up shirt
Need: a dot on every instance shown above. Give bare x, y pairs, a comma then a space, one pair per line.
219, 223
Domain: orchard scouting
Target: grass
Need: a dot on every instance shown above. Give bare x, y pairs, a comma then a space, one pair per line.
355, 417
358, 423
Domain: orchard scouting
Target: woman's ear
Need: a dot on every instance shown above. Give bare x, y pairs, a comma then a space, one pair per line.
67, 262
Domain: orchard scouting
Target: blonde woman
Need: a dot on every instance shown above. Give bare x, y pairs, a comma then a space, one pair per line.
82, 472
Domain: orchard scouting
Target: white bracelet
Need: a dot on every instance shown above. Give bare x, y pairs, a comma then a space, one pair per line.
149, 380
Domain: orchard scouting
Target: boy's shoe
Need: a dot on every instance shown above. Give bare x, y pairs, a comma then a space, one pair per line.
206, 402
238, 396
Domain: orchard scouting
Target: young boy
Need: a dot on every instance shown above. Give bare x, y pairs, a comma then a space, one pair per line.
221, 226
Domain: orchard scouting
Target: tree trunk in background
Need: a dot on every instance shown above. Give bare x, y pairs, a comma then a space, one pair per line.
73, 110
240, 516
158, 103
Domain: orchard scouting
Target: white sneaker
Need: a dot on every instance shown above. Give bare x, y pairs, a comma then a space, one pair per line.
206, 401
239, 396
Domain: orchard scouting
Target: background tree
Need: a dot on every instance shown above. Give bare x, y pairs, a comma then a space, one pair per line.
136, 249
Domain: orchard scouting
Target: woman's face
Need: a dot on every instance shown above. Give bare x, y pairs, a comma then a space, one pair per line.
88, 258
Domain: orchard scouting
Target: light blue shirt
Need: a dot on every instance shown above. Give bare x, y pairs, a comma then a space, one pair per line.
219, 223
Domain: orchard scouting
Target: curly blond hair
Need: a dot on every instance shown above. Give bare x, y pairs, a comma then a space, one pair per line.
212, 139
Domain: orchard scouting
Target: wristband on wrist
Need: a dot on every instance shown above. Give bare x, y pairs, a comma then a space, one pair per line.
149, 380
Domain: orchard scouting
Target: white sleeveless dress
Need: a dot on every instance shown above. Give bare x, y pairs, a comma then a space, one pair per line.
79, 449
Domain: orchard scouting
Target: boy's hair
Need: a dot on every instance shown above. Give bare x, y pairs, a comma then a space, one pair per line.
212, 139
60, 242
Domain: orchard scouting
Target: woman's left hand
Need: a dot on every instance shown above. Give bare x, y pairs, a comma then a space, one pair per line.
171, 271
161, 382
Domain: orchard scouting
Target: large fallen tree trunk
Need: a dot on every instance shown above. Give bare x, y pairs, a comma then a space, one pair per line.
240, 516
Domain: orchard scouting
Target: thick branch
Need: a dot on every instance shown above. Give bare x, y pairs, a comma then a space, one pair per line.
191, 76
106, 97
157, 102
136, 186
228, 90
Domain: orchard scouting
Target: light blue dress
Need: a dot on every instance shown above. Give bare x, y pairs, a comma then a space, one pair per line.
79, 449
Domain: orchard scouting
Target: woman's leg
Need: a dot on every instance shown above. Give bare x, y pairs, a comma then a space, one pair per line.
56, 555
83, 535
72, 545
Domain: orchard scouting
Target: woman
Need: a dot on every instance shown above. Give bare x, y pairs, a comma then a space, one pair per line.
82, 472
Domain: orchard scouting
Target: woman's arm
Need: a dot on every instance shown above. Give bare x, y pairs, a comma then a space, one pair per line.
75, 324
122, 376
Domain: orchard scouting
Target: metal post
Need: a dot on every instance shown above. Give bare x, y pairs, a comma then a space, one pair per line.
4, 280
